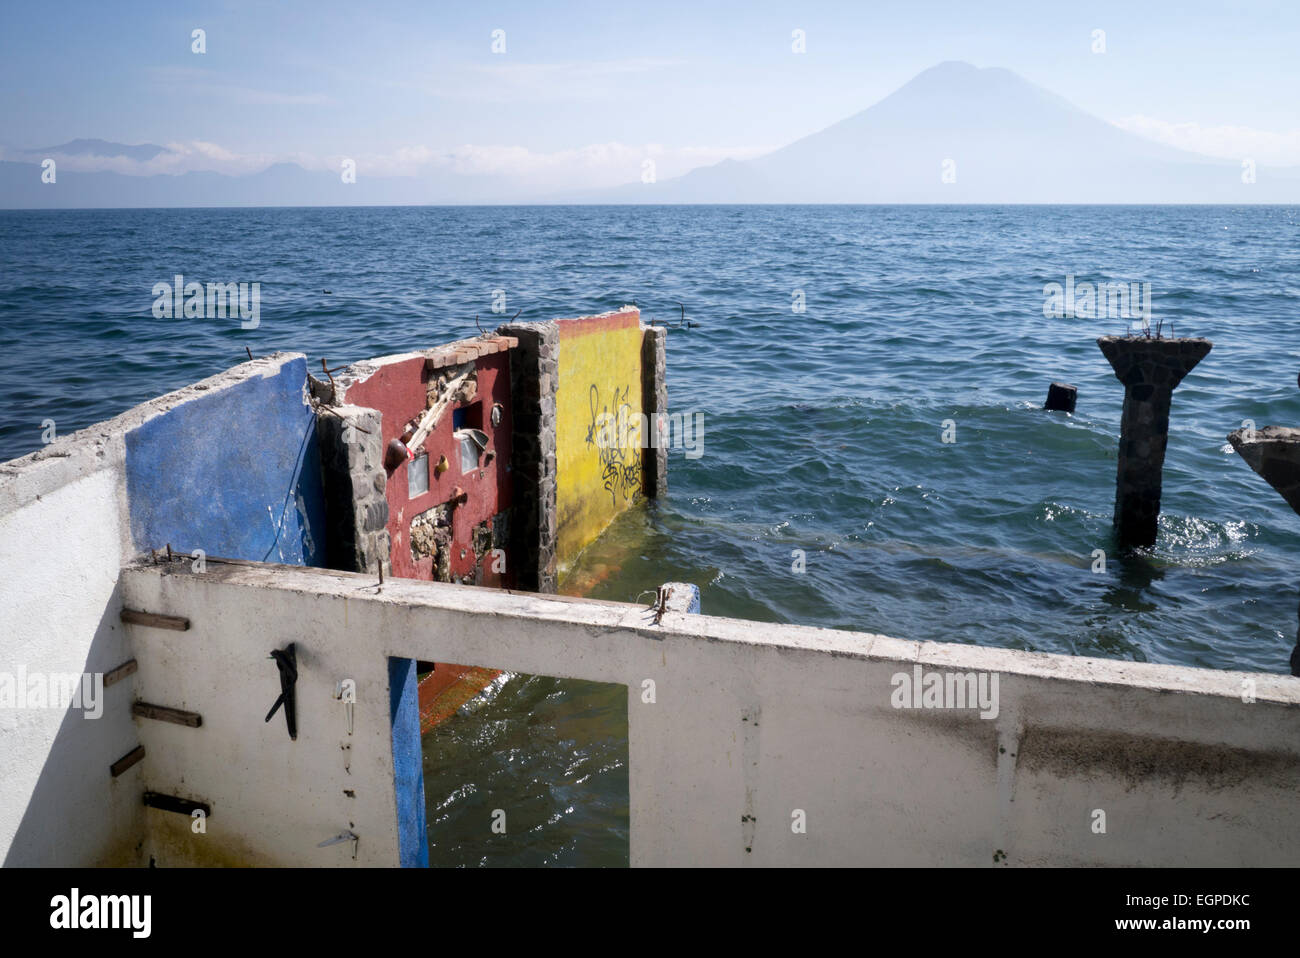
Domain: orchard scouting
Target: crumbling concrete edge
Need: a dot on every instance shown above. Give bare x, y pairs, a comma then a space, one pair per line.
456, 353
103, 444
654, 403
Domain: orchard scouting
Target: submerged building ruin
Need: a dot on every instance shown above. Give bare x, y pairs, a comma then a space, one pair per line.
483, 462
415, 510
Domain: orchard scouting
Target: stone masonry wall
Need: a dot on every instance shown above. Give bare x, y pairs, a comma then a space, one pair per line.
352, 466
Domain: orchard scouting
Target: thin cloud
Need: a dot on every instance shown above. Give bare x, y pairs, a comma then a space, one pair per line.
587, 167
1224, 142
593, 166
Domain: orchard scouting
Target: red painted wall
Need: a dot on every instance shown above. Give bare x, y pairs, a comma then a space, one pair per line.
398, 390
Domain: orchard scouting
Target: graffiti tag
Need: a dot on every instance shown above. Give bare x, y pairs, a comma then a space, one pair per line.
620, 466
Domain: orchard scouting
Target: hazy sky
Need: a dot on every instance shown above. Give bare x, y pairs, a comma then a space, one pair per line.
584, 90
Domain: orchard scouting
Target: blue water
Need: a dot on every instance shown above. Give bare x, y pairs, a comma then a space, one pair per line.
823, 428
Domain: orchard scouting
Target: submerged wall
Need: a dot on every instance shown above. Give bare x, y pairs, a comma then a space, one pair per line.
240, 466
234, 471
450, 506
749, 743
551, 477
63, 534
600, 373
226, 465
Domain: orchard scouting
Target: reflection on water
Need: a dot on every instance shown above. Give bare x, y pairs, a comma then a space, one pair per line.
551, 754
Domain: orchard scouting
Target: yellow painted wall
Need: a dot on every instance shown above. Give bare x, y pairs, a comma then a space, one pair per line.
599, 370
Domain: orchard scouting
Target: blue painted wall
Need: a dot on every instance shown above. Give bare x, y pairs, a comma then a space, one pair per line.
408, 763
235, 473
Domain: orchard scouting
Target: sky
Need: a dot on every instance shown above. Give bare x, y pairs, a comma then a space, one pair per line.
584, 91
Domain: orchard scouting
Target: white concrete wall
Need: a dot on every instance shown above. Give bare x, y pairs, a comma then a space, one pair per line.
60, 553
750, 722
64, 535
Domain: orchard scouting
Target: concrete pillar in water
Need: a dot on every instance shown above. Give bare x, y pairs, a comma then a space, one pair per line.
1061, 397
1274, 453
1150, 370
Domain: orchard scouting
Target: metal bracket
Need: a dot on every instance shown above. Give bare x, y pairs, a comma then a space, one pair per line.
344, 836
286, 660
660, 604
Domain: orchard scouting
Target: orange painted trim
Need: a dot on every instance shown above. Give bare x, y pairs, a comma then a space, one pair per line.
444, 690
605, 322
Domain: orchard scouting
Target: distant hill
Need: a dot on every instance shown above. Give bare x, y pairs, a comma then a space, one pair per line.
283, 184
141, 153
994, 136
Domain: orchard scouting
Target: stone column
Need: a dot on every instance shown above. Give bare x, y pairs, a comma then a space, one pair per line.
534, 376
1274, 453
654, 403
352, 469
1150, 370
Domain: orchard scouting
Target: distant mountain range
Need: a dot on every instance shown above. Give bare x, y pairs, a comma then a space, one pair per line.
953, 134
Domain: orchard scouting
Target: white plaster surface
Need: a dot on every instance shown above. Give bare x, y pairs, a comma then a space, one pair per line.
64, 536
59, 565
750, 723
